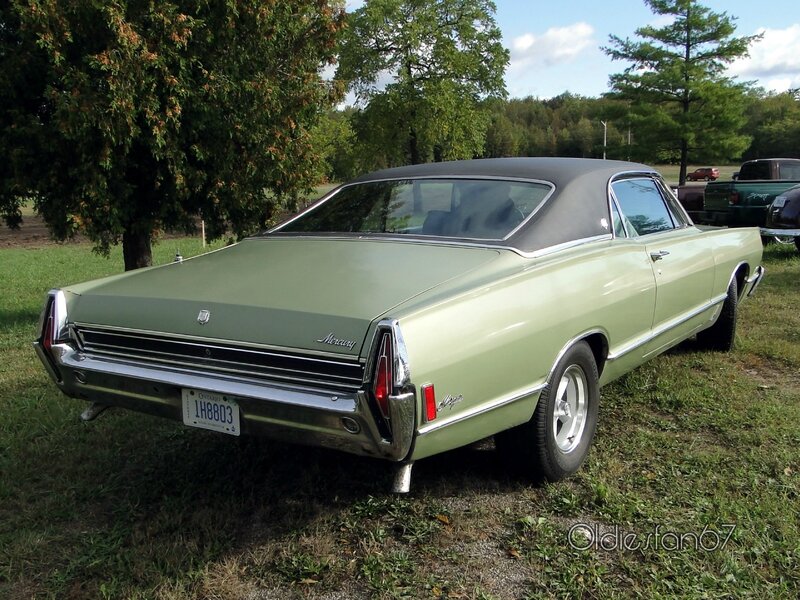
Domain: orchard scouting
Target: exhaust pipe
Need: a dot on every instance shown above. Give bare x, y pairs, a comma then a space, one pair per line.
92, 411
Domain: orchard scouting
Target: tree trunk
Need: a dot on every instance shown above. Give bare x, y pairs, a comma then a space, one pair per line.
684, 159
136, 249
413, 146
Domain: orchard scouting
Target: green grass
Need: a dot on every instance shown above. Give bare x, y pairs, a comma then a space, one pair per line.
671, 172
131, 506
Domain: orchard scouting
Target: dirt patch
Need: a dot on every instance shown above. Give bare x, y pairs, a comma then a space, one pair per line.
32, 233
769, 375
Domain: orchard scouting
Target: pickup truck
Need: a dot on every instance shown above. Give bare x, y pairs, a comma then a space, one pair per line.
744, 202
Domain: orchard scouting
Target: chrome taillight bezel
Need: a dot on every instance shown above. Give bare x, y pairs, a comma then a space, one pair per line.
53, 329
401, 374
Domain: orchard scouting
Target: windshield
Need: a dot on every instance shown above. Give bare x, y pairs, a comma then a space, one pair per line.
459, 208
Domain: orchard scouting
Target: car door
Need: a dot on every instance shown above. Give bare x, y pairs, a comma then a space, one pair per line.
682, 263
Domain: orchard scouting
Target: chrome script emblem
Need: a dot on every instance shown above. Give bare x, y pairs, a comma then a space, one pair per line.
450, 401
332, 340
203, 317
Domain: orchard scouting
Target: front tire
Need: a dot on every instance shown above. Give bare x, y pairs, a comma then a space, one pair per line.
555, 442
721, 336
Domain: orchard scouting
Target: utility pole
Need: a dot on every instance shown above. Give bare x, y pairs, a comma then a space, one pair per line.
605, 137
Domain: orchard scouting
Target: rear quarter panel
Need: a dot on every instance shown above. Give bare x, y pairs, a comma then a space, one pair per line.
493, 345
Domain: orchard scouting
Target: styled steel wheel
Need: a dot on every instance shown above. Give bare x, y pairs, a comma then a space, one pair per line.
555, 442
570, 409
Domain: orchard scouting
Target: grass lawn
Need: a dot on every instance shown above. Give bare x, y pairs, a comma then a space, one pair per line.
696, 456
671, 172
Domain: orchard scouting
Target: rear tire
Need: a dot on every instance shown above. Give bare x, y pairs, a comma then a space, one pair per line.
555, 442
721, 336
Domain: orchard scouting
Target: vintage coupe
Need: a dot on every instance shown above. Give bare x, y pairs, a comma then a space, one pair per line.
415, 310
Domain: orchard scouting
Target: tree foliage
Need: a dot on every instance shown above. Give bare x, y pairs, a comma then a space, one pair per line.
124, 118
423, 68
680, 99
774, 120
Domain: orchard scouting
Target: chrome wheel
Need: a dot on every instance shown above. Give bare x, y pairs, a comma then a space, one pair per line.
570, 409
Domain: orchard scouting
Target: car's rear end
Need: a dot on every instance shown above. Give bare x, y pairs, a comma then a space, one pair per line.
286, 338
740, 203
783, 216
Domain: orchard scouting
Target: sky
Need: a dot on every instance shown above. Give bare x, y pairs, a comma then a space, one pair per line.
555, 45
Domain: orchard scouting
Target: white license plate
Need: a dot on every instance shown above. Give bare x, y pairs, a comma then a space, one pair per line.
208, 410
779, 202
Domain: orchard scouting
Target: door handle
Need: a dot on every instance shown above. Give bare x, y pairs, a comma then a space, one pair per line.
658, 255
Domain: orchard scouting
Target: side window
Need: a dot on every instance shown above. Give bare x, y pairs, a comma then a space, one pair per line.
642, 206
679, 216
619, 229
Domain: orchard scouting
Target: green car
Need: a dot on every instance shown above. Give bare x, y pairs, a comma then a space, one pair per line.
415, 310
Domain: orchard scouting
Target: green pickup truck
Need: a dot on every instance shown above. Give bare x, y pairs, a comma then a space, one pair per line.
744, 201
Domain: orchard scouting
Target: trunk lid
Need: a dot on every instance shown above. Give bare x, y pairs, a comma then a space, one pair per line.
313, 294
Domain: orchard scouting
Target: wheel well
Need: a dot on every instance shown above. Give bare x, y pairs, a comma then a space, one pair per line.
741, 277
599, 346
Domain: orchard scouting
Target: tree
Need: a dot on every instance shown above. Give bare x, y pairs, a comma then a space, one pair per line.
774, 121
676, 83
121, 119
443, 58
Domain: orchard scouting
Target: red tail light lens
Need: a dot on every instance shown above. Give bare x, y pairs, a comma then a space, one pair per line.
48, 333
382, 387
429, 395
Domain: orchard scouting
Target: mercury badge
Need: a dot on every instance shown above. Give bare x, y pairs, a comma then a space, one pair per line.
332, 340
203, 316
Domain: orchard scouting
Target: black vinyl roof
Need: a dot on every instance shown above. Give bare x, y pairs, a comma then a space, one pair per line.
577, 209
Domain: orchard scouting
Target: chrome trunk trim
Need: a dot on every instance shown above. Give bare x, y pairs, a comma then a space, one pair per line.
210, 357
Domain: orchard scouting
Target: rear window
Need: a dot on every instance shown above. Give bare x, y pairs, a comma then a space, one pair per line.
789, 170
755, 170
458, 208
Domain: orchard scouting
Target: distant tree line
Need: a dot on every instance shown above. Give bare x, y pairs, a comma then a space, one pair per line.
571, 125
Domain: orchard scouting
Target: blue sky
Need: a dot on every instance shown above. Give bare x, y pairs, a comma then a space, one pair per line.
555, 45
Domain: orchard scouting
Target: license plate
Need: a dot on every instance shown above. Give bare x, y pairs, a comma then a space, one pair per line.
208, 410
779, 202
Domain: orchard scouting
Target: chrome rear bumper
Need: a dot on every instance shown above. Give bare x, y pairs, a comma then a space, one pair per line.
294, 414
755, 279
780, 232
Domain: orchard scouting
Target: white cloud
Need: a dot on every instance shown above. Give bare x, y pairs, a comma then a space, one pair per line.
775, 60
557, 45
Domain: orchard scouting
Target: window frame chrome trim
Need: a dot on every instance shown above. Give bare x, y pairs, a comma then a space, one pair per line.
332, 193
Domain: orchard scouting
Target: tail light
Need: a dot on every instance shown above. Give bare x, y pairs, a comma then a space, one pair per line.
383, 380
733, 198
391, 396
52, 328
49, 326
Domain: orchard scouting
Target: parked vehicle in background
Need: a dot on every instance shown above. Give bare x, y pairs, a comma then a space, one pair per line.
783, 216
744, 202
703, 174
416, 310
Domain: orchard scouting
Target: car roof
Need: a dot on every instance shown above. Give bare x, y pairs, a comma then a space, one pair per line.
557, 170
578, 208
